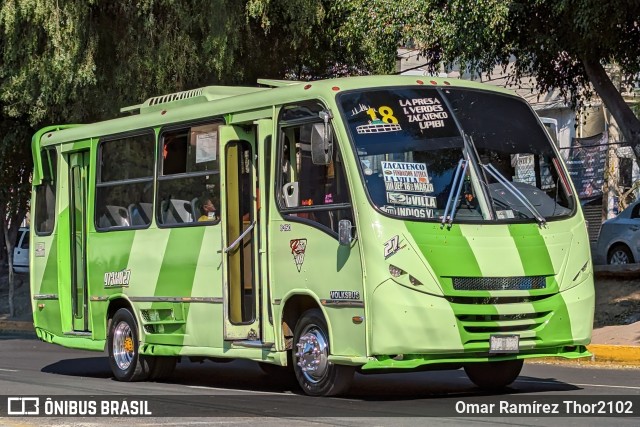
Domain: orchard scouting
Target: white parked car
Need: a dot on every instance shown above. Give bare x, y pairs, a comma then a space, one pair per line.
21, 252
619, 238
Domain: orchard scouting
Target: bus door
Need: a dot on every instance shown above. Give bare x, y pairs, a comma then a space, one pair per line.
78, 179
240, 233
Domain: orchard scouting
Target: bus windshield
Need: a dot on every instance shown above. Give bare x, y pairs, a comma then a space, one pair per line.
455, 154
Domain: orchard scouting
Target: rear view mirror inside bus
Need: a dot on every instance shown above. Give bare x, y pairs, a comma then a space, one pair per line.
321, 144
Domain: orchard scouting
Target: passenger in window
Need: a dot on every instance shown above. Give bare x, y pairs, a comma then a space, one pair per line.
208, 210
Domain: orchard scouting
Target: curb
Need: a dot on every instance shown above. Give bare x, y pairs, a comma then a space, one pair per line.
17, 326
626, 354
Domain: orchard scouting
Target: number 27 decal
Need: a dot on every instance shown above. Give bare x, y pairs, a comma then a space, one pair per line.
392, 246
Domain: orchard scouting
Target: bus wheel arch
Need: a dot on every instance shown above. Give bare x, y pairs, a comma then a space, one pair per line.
293, 309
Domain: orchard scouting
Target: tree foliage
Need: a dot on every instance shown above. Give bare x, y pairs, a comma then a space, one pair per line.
77, 61
564, 44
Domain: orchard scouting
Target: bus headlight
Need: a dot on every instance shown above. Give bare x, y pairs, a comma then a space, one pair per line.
414, 281
395, 271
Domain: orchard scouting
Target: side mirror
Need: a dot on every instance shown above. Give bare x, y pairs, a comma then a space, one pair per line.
344, 232
322, 141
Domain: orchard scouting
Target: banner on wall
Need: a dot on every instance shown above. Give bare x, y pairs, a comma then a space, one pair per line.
586, 162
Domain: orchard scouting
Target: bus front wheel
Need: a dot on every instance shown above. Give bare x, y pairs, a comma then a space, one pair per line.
124, 357
315, 374
494, 375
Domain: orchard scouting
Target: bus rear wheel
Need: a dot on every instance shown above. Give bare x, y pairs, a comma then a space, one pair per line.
124, 357
162, 367
494, 375
315, 374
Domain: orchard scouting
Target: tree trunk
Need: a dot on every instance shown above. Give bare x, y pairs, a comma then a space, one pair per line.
627, 121
9, 246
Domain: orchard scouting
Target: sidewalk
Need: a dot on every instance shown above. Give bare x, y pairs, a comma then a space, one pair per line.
620, 344
609, 345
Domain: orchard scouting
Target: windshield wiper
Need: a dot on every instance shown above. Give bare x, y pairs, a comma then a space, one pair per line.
454, 194
517, 193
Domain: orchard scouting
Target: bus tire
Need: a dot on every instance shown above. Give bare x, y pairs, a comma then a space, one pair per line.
494, 375
311, 348
123, 346
162, 367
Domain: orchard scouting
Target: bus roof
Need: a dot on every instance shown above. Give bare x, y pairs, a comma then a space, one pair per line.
213, 101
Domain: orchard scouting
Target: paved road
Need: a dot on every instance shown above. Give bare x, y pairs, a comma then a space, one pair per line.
238, 393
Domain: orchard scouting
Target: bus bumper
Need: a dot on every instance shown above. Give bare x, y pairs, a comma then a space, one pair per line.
408, 328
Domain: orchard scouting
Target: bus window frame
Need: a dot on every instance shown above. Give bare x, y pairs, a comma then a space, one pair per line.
51, 152
98, 174
289, 213
160, 177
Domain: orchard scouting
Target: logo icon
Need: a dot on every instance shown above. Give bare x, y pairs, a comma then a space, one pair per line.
298, 247
23, 406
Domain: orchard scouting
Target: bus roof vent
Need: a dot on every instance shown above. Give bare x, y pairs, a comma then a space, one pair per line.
278, 83
190, 97
178, 96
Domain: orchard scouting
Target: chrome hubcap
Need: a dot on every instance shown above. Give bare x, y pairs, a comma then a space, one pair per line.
123, 348
312, 354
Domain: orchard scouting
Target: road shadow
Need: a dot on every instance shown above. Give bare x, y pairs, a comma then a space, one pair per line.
242, 375
93, 367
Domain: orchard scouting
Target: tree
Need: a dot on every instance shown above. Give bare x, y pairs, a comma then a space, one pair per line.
305, 36
77, 61
15, 187
564, 44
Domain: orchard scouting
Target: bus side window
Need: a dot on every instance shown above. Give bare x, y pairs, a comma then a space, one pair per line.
189, 176
125, 179
46, 194
305, 184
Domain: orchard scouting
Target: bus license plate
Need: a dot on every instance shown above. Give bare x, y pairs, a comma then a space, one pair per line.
504, 344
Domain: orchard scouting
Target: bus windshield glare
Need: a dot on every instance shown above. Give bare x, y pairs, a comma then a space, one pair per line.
455, 154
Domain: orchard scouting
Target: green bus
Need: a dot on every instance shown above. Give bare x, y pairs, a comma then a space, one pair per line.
369, 224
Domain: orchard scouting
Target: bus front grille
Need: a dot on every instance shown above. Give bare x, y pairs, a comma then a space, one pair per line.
522, 283
495, 323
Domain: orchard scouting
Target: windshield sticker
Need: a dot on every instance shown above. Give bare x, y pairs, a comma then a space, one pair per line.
382, 120
359, 109
409, 186
117, 279
298, 248
366, 165
405, 176
344, 294
206, 147
505, 214
427, 112
392, 246
411, 200
408, 212
524, 165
